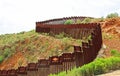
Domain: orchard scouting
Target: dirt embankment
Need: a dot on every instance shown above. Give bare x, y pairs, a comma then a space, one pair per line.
13, 62
111, 26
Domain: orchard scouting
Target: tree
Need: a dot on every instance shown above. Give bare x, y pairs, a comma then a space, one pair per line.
112, 15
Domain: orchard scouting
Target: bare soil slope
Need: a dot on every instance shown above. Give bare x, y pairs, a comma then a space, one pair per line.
37, 47
111, 26
111, 34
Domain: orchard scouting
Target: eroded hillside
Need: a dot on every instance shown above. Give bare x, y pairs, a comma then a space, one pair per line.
20, 49
111, 34
112, 26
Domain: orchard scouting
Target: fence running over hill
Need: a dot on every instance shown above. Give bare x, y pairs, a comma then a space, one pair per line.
67, 61
62, 20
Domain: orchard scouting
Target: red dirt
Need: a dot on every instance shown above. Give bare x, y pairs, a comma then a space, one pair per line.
111, 44
13, 61
111, 27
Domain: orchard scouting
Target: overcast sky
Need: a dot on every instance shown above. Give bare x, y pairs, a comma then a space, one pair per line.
21, 15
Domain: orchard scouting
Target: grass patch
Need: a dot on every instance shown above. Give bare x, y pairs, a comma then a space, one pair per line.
115, 53
1, 58
99, 66
107, 36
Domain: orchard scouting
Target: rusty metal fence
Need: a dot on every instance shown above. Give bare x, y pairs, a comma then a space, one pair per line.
67, 61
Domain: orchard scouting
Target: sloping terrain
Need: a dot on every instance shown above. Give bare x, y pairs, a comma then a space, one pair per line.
25, 47
112, 26
20, 49
111, 39
111, 34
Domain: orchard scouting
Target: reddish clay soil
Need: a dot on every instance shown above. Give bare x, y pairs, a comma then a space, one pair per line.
111, 44
14, 61
111, 27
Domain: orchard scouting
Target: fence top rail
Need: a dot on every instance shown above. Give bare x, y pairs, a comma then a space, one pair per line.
56, 21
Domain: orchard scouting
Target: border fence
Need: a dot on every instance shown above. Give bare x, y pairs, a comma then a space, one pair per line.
67, 61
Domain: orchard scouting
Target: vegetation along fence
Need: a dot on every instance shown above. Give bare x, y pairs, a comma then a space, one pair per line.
67, 61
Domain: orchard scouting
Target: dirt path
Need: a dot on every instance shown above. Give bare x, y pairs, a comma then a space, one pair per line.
114, 73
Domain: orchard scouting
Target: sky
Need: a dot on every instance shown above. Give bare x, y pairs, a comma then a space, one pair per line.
21, 15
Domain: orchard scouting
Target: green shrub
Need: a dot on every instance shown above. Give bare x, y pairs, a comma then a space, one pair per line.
86, 20
89, 37
112, 15
101, 19
115, 53
97, 20
46, 34
107, 36
61, 35
69, 22
99, 66
78, 21
6, 52
1, 58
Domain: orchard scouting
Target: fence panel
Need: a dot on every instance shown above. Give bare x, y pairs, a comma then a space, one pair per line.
22, 71
55, 64
32, 69
68, 61
43, 67
12, 72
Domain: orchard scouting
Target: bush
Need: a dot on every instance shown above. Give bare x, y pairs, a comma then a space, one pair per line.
115, 53
1, 58
97, 20
6, 52
61, 35
99, 66
112, 15
86, 20
68, 22
78, 21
